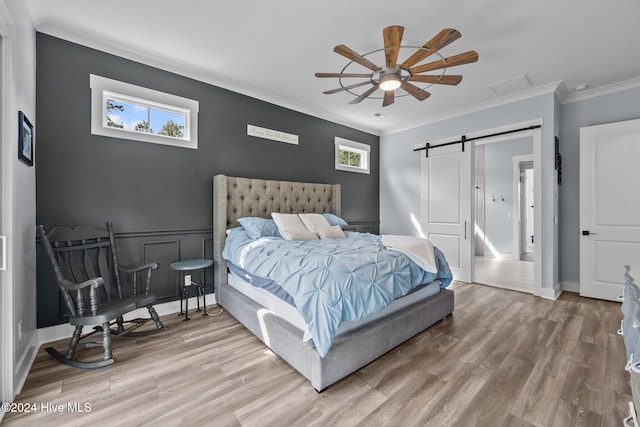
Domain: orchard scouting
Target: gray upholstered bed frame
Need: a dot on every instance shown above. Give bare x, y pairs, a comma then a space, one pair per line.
235, 198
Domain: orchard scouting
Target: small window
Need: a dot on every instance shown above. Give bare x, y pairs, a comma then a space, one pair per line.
121, 110
352, 156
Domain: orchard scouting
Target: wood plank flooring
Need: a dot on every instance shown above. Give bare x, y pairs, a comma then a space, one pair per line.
503, 358
504, 273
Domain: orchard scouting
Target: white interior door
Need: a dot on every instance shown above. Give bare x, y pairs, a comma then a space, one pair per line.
446, 206
609, 206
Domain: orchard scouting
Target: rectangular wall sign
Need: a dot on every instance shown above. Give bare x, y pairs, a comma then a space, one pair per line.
274, 135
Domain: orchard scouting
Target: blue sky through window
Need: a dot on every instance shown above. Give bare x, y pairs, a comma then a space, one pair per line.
160, 117
130, 115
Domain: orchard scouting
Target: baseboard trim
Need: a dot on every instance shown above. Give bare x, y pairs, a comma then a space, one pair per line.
571, 287
550, 293
24, 366
58, 332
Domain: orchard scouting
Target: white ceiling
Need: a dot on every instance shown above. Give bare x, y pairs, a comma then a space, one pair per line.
271, 49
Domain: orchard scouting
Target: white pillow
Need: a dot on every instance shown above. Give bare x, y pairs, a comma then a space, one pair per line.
331, 232
314, 221
291, 227
288, 222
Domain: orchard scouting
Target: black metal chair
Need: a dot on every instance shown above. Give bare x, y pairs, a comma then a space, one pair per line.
85, 262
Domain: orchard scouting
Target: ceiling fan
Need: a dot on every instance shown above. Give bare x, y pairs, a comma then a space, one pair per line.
392, 76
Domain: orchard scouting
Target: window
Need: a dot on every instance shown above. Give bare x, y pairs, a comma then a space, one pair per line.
122, 110
352, 156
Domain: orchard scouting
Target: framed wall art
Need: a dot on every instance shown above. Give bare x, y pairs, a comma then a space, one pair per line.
25, 139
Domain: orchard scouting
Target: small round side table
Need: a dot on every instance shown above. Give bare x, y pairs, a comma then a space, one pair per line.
191, 265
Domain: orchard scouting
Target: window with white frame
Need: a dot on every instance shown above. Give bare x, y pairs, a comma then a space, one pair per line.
352, 156
123, 110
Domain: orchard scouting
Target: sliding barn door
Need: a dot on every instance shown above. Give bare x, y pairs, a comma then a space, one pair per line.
609, 206
446, 206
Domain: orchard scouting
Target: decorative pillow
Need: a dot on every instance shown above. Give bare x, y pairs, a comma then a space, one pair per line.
259, 227
335, 220
313, 221
289, 223
331, 232
298, 235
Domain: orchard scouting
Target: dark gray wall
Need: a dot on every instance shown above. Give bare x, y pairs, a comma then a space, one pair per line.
160, 197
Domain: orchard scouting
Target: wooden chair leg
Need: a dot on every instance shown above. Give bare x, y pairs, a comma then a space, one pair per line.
73, 344
120, 322
155, 317
106, 341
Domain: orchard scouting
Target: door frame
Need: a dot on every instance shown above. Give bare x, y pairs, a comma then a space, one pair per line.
517, 202
6, 209
536, 134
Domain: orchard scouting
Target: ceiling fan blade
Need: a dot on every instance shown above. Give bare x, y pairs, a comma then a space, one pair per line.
415, 91
439, 41
355, 57
440, 80
389, 97
364, 95
340, 89
341, 75
392, 38
452, 61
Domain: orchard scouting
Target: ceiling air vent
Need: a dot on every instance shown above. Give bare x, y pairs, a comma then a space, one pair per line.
513, 84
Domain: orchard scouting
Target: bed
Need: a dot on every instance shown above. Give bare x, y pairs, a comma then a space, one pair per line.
352, 347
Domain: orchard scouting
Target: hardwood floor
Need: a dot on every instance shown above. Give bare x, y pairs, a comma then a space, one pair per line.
503, 358
504, 273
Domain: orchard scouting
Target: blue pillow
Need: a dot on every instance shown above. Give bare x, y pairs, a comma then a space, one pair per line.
257, 227
335, 220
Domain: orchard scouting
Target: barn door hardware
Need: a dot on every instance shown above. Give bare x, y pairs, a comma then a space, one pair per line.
463, 139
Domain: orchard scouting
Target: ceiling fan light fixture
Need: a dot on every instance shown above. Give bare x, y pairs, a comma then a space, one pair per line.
392, 76
389, 82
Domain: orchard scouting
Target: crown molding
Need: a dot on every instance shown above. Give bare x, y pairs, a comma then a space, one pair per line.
559, 88
508, 99
599, 91
153, 59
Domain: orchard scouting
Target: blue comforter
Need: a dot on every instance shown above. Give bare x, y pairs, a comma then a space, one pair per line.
332, 280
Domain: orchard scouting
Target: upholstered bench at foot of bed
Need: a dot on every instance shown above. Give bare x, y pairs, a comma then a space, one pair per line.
350, 351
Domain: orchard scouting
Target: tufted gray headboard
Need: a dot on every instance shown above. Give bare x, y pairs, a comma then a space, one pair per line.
235, 198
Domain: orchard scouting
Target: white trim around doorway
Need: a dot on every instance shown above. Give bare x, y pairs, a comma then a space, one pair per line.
517, 211
536, 133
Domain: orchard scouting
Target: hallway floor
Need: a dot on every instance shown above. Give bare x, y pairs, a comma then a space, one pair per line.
505, 273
